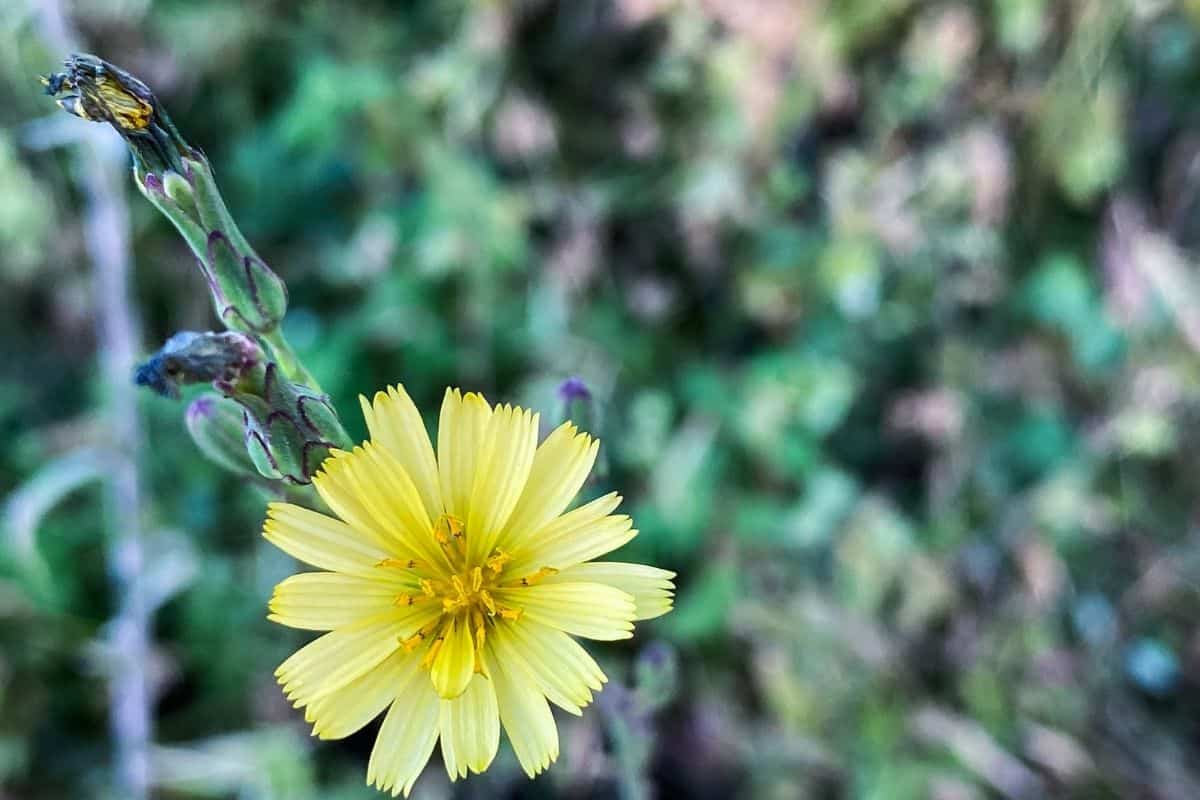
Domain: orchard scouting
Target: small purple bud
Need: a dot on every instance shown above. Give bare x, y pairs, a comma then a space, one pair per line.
572, 389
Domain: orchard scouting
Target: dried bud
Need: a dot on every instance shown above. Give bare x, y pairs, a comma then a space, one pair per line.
217, 427
102, 92
189, 357
178, 180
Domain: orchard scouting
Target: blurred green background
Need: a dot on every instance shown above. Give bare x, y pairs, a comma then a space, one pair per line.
888, 309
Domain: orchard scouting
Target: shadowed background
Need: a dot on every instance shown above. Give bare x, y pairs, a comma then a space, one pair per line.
887, 309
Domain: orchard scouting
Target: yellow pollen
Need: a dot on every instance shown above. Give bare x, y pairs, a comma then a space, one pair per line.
399, 563
535, 578
413, 641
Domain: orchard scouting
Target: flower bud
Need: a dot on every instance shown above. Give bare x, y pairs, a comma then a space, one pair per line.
217, 427
286, 429
246, 294
290, 429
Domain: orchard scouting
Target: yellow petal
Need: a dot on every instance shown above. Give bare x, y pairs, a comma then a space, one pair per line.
505, 458
585, 530
396, 425
371, 491
332, 661
560, 668
455, 661
560, 467
652, 588
470, 729
460, 433
591, 610
407, 735
322, 601
322, 541
527, 719
341, 713
569, 547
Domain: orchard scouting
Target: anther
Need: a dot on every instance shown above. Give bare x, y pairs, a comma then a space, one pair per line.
497, 561
485, 597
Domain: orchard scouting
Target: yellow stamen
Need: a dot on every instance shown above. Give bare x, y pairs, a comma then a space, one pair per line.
497, 561
434, 648
485, 597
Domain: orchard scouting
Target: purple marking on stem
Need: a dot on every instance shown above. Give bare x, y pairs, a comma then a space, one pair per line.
200, 407
154, 184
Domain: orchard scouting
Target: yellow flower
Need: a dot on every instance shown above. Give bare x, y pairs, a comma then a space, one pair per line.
454, 587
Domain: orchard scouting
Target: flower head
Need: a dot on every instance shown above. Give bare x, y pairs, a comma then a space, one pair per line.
455, 586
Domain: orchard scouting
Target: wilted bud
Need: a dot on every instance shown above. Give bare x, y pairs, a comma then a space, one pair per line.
178, 180
102, 92
217, 427
189, 357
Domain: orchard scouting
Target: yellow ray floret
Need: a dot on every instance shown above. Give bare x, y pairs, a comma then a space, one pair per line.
455, 581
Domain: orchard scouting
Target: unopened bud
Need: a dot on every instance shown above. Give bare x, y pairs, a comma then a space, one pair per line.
217, 427
576, 400
290, 429
246, 294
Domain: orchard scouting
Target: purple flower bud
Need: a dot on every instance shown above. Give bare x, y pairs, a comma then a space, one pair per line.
572, 389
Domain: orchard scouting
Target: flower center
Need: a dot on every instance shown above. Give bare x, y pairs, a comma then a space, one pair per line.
464, 591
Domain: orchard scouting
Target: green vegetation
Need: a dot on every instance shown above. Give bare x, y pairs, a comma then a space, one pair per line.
888, 311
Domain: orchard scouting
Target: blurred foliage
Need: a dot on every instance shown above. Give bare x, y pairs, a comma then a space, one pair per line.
887, 308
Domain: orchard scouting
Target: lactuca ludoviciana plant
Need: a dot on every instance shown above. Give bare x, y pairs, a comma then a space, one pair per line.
454, 585
456, 581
